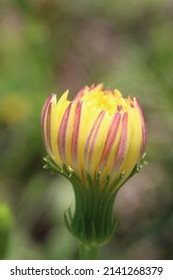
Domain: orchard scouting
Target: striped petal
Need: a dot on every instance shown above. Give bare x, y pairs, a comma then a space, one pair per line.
62, 135
75, 134
90, 147
122, 146
143, 142
111, 139
45, 122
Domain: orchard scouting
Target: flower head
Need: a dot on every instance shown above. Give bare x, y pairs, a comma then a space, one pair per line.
100, 137
99, 131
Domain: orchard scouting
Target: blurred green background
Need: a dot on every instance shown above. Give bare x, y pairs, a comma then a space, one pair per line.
48, 46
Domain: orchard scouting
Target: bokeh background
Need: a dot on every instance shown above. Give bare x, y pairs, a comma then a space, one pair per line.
48, 46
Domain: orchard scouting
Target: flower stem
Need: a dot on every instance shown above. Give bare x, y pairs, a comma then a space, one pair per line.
86, 253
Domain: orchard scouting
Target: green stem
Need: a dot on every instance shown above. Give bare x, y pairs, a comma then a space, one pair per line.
86, 253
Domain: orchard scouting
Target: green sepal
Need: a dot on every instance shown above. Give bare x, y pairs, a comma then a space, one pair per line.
93, 222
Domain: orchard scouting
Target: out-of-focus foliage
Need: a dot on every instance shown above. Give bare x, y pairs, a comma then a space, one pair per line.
6, 221
50, 45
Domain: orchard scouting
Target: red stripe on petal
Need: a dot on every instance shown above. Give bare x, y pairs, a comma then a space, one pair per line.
90, 135
111, 138
119, 157
75, 134
89, 148
62, 133
132, 105
143, 144
119, 108
44, 118
80, 94
43, 114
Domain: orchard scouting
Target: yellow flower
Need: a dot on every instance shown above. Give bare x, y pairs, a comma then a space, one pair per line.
97, 141
99, 131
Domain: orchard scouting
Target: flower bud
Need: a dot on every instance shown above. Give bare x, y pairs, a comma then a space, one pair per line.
97, 141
